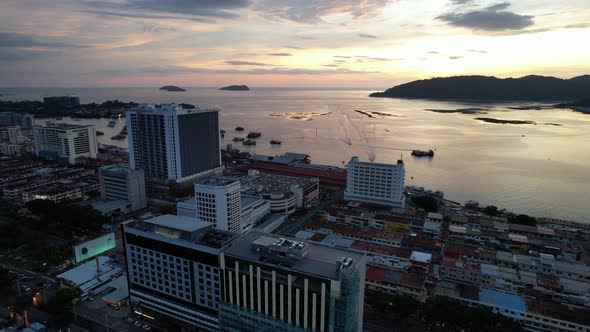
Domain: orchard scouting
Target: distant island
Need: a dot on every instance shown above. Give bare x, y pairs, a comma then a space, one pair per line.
236, 88
529, 88
172, 88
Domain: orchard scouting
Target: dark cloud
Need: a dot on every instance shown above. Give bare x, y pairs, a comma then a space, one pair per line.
306, 37
455, 57
366, 35
294, 47
186, 8
434, 52
280, 54
340, 61
492, 18
342, 56
461, 2
155, 28
104, 13
312, 11
25, 40
477, 51
245, 63
174, 70
331, 65
17, 55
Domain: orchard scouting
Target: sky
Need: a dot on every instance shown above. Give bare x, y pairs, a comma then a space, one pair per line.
306, 43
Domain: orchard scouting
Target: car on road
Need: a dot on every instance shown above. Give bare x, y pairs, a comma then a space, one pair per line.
146, 327
137, 323
130, 320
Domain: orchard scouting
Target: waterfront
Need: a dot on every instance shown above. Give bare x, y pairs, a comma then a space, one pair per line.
539, 169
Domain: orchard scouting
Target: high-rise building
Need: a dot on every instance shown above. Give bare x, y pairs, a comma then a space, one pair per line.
66, 142
277, 284
172, 143
26, 122
218, 202
64, 101
376, 183
10, 134
174, 273
120, 183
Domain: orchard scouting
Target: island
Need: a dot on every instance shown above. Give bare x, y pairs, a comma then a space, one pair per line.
582, 106
527, 88
172, 88
235, 88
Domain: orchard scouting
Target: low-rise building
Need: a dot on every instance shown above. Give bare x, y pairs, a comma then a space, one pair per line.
119, 183
285, 193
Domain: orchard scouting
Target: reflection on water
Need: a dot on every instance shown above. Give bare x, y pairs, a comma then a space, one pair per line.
538, 169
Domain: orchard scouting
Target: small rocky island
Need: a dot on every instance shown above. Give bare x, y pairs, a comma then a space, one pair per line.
236, 88
172, 88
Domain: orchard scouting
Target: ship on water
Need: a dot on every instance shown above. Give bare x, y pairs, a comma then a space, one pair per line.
422, 153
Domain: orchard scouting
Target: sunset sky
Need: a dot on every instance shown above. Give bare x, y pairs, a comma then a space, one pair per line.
348, 43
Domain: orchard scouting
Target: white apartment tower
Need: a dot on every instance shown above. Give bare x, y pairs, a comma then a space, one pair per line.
376, 183
66, 142
218, 202
173, 143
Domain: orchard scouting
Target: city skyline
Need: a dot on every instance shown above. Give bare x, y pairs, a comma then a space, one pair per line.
370, 43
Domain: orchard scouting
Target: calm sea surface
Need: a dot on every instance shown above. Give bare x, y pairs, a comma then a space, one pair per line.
541, 169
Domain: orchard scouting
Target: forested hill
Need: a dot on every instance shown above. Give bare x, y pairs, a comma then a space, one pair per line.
532, 87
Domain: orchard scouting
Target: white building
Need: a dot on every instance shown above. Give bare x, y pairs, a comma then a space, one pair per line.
66, 142
119, 183
376, 183
218, 202
10, 134
173, 143
253, 208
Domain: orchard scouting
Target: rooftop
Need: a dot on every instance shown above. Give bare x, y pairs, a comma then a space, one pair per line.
164, 108
190, 230
318, 260
216, 181
263, 182
66, 126
501, 299
185, 224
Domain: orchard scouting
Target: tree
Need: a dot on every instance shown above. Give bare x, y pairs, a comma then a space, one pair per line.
491, 210
167, 209
60, 305
428, 203
7, 278
522, 219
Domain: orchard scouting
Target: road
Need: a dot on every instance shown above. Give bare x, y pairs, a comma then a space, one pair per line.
292, 226
27, 273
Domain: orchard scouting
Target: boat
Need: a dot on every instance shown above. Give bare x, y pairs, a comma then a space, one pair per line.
118, 137
275, 141
254, 134
111, 124
422, 153
238, 139
99, 133
249, 142
239, 128
115, 116
221, 131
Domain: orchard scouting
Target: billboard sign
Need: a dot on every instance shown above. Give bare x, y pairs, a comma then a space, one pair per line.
94, 247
